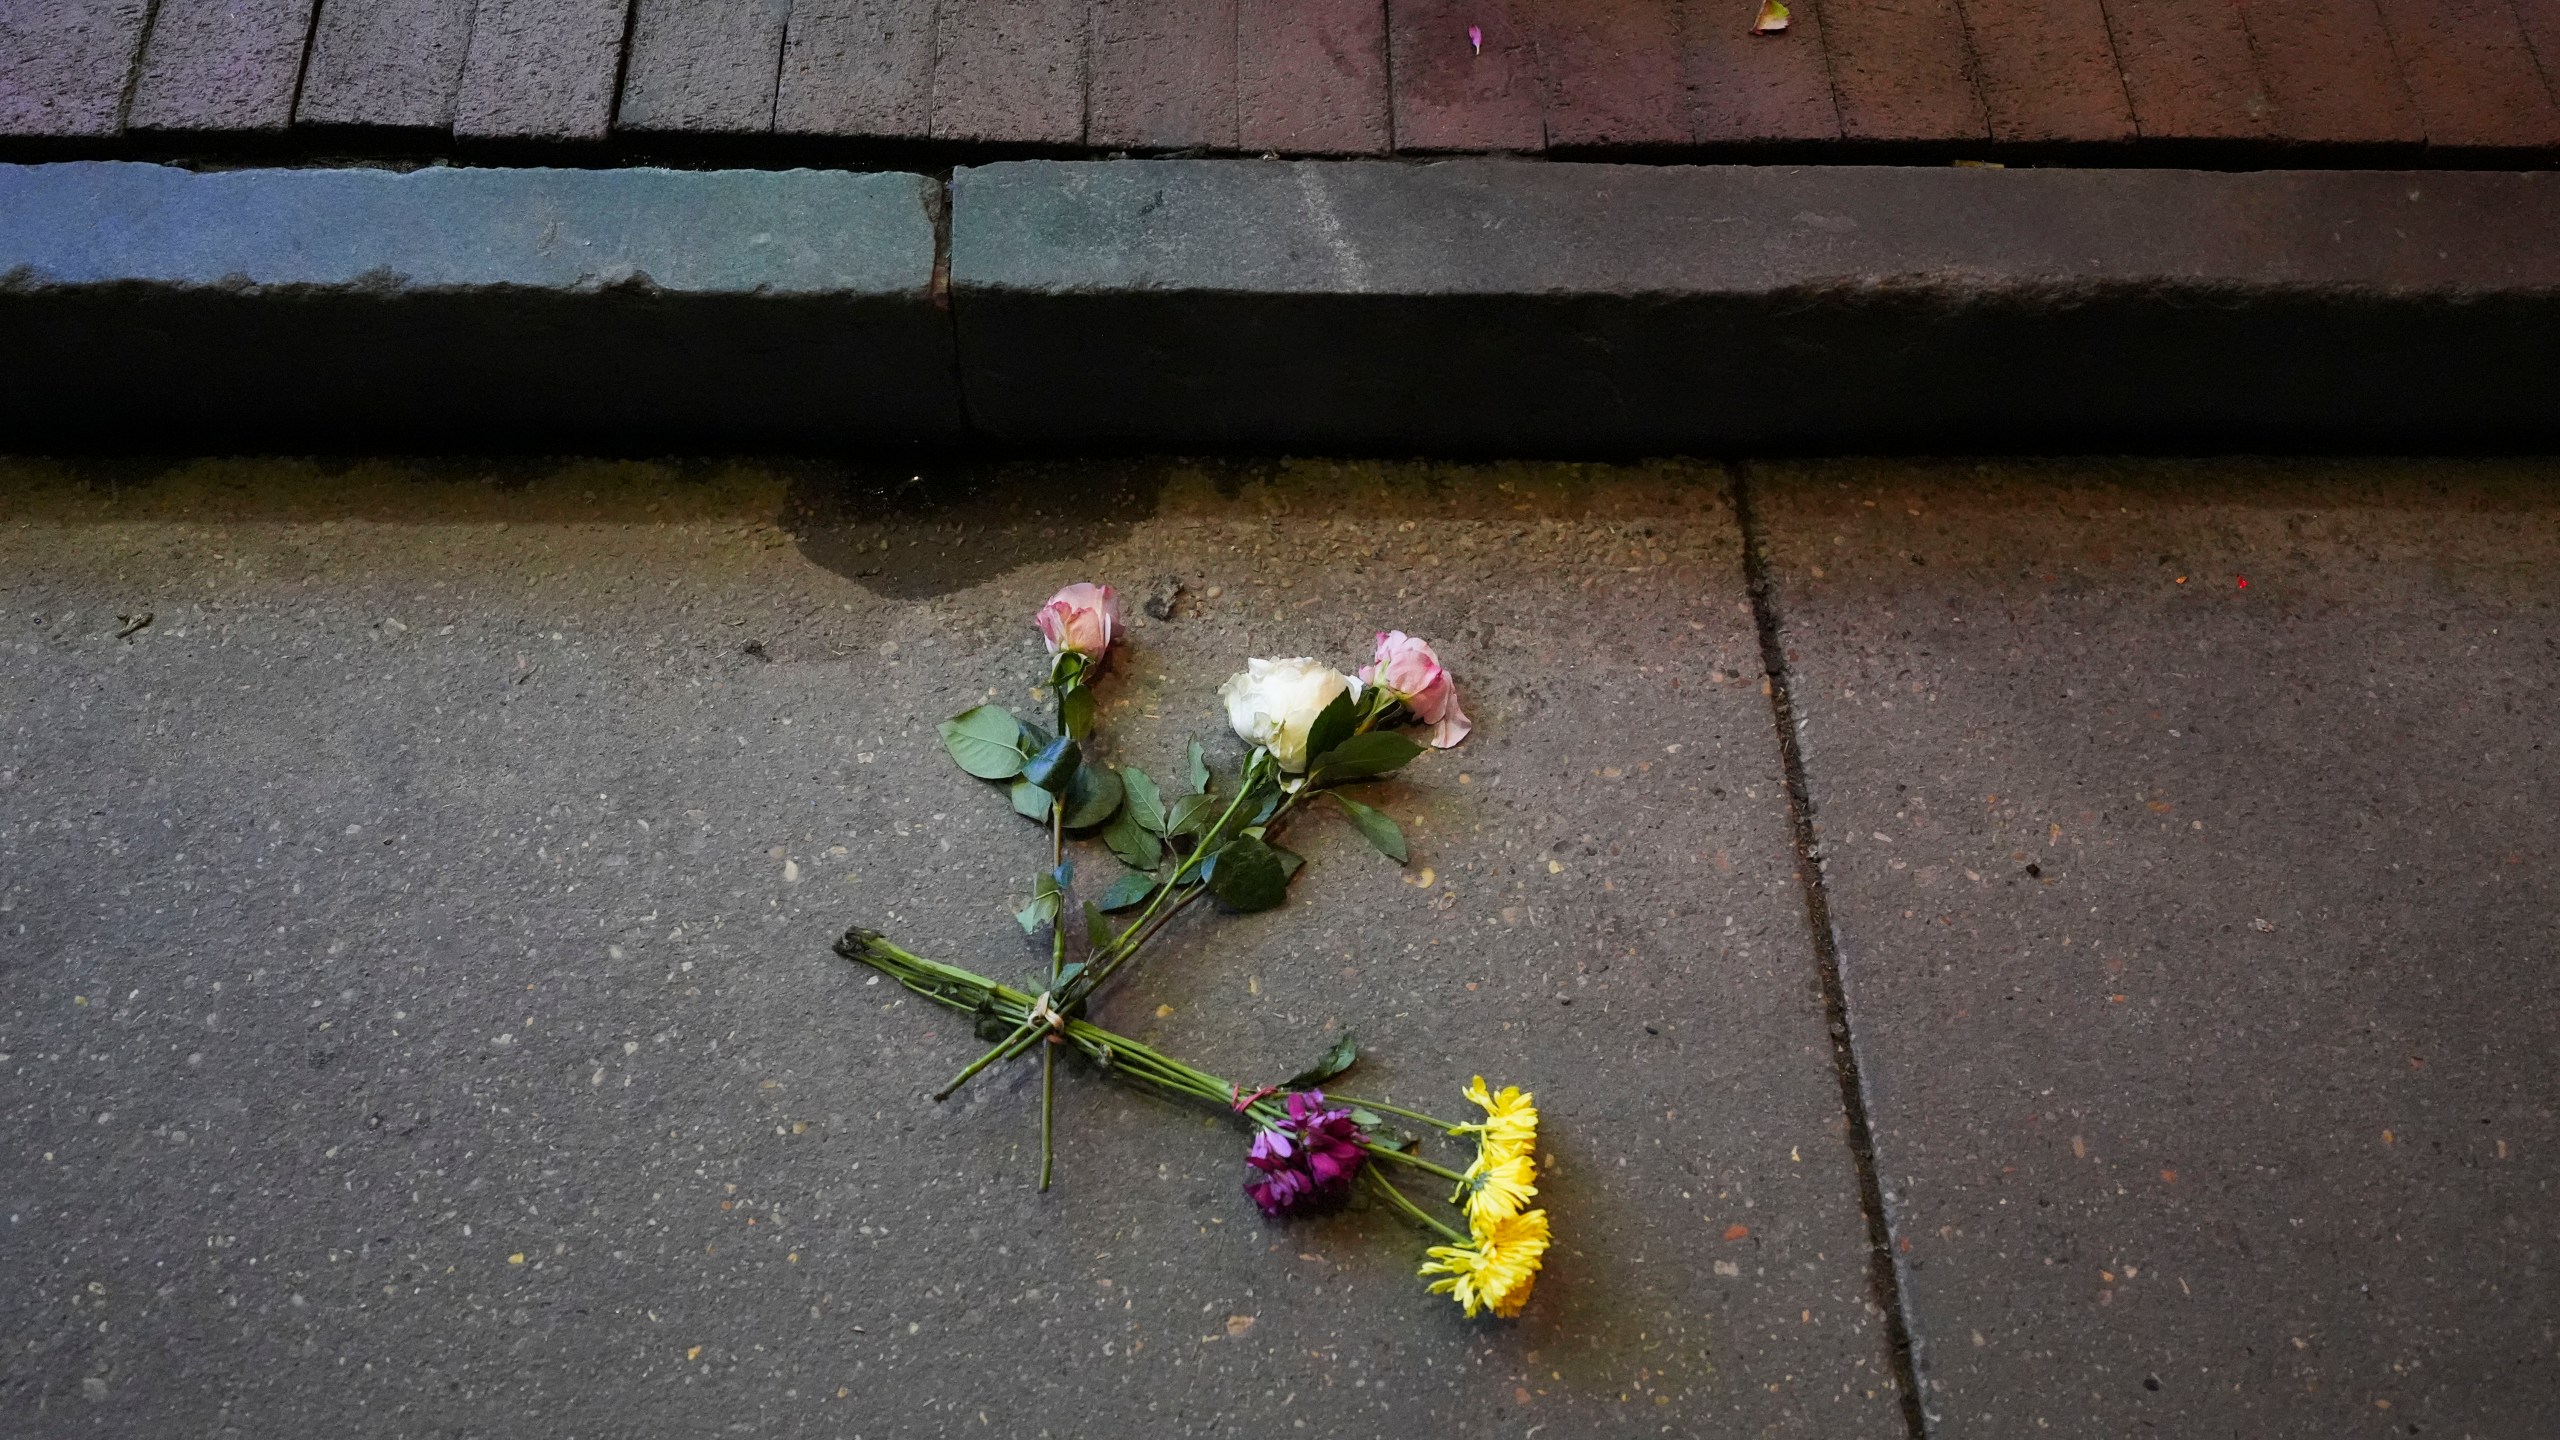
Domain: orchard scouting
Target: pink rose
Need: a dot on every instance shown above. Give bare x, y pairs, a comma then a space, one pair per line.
1081, 618
1407, 669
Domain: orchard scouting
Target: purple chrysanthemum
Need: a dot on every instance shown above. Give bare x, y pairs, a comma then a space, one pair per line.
1312, 1155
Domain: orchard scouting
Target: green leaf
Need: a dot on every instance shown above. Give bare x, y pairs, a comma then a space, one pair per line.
1043, 907
1291, 862
1128, 890
986, 742
1075, 710
1146, 802
1248, 875
1336, 1059
1128, 837
1031, 802
1367, 1119
1374, 823
1375, 753
1192, 814
1092, 797
1199, 767
1097, 931
1331, 727
1053, 766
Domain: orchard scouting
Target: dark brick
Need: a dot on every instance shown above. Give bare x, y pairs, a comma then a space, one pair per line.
2188, 69
1748, 89
703, 65
857, 67
2048, 71
2471, 73
541, 69
1612, 70
64, 64
1311, 76
1010, 70
1448, 95
221, 65
1900, 70
2542, 30
386, 62
2329, 69
1164, 75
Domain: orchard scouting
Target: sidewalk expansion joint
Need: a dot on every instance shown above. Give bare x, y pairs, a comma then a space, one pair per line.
1884, 1276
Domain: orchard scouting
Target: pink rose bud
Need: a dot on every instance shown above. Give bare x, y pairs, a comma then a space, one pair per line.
1081, 618
1407, 669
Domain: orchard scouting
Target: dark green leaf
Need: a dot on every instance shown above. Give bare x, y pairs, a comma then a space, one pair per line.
1270, 805
1290, 861
1375, 753
1128, 837
1092, 797
1332, 726
1053, 766
1067, 975
1199, 768
1031, 802
1192, 814
1336, 1059
986, 742
1075, 710
1128, 890
1097, 931
1146, 803
1382, 831
1248, 875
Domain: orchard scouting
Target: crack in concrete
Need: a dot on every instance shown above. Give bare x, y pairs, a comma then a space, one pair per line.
1884, 1274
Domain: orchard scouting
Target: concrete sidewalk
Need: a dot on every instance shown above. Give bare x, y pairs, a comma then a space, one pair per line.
415, 1013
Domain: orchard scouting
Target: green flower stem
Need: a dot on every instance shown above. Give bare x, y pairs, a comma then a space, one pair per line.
1387, 1188
1126, 946
1358, 1104
1057, 962
1389, 1152
1003, 1048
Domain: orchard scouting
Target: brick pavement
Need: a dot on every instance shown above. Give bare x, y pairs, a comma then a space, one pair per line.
2277, 82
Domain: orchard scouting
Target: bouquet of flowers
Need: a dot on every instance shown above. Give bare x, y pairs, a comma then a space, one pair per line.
1312, 730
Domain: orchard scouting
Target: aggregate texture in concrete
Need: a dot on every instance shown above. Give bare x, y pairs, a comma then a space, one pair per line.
2190, 854
417, 1016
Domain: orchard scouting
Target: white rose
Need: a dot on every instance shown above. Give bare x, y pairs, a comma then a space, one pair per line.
1274, 701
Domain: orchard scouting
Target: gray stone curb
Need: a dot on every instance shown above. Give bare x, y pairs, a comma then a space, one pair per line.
466, 308
1468, 306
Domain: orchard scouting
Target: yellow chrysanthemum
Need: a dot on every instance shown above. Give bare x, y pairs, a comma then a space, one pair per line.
1511, 1118
1499, 1185
1496, 1270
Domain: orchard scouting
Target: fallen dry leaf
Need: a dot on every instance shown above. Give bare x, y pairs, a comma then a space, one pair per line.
1773, 18
1238, 1325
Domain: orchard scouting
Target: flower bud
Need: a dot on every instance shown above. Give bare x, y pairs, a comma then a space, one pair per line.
1407, 668
1273, 702
1081, 618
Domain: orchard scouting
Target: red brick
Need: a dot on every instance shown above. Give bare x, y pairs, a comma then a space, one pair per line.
2188, 69
1612, 71
1311, 76
2048, 71
64, 64
1901, 71
1164, 75
707, 66
1449, 96
2471, 73
385, 62
858, 67
1010, 70
541, 69
1756, 89
2542, 30
2329, 70
221, 65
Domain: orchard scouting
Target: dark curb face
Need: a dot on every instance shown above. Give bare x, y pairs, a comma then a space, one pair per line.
1467, 307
